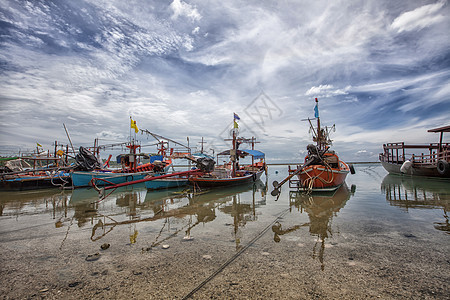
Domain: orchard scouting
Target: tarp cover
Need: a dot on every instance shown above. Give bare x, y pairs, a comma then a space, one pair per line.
255, 153
199, 155
156, 157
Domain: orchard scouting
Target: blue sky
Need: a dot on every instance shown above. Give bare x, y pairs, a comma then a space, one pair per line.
380, 69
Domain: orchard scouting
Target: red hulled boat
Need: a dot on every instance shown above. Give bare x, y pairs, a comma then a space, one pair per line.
322, 171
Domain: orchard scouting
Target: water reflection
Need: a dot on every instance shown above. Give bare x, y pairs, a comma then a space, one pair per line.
34, 202
409, 192
320, 209
181, 207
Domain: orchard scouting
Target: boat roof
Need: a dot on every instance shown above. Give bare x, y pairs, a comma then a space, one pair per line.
440, 129
255, 153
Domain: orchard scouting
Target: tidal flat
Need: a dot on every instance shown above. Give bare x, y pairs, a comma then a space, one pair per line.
379, 236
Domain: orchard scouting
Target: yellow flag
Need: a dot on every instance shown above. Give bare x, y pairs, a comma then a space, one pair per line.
133, 125
236, 125
39, 145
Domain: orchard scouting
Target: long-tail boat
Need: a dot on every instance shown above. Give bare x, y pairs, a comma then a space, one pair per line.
323, 170
432, 160
233, 173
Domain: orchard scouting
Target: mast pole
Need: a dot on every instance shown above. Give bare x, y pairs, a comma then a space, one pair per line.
319, 133
253, 148
233, 156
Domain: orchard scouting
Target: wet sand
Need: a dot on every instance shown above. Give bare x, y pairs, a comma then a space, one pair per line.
377, 266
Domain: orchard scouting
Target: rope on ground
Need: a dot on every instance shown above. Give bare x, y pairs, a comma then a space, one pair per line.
236, 255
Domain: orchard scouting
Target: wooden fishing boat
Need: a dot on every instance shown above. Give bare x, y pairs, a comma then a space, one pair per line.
131, 169
323, 170
233, 173
432, 160
325, 175
34, 180
28, 173
211, 180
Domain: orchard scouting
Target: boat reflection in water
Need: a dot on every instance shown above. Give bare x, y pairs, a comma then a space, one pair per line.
42, 201
179, 207
85, 203
320, 209
419, 193
201, 208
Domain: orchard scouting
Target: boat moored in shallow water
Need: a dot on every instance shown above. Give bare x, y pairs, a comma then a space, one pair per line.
232, 173
323, 170
432, 160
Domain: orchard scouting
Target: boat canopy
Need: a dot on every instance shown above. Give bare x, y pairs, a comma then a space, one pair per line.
255, 153
440, 129
199, 155
244, 153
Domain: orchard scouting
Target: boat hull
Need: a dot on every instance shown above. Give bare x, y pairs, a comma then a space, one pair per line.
221, 182
318, 178
429, 171
23, 183
83, 178
166, 183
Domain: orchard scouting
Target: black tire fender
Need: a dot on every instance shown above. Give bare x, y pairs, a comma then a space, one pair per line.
352, 169
443, 167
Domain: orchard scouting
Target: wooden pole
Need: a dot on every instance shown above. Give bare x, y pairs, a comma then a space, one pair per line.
67, 133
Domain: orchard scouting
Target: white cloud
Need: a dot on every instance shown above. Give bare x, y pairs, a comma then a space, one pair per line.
418, 18
181, 8
326, 91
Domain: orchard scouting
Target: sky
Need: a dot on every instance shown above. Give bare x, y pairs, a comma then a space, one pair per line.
380, 69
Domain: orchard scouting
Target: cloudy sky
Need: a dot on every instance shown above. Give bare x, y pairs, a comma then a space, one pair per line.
381, 71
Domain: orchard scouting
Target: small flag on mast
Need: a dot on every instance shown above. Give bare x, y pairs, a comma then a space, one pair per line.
133, 125
236, 125
236, 117
39, 145
316, 109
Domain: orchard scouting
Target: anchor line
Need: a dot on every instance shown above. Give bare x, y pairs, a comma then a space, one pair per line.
236, 255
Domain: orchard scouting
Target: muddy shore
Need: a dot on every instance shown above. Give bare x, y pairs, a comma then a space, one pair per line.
376, 266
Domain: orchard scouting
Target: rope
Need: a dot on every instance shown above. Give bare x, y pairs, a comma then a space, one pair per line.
309, 183
236, 255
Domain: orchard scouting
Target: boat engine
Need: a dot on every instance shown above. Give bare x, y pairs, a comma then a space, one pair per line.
86, 160
314, 155
205, 164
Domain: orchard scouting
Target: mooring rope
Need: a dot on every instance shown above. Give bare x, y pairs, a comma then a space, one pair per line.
236, 255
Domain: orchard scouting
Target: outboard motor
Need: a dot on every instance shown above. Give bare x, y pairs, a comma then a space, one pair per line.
86, 160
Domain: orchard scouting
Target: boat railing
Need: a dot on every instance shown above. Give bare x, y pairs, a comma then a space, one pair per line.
396, 153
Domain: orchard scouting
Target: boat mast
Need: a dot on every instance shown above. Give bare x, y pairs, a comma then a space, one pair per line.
319, 134
233, 154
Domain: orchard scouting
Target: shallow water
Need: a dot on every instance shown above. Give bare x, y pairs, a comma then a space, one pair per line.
374, 213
